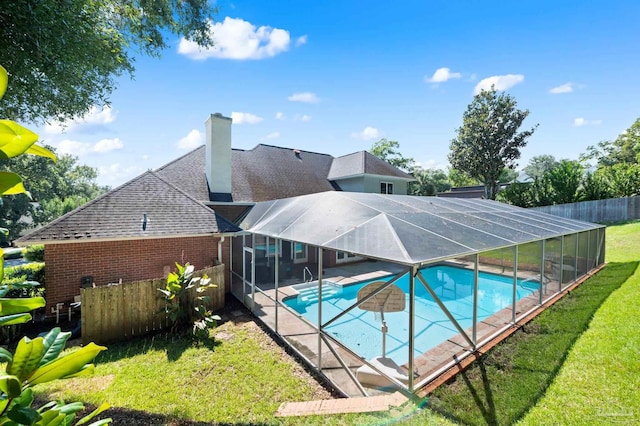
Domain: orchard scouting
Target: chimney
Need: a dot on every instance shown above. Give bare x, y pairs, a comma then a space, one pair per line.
218, 153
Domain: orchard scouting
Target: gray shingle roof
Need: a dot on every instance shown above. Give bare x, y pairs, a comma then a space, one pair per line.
363, 162
269, 172
118, 214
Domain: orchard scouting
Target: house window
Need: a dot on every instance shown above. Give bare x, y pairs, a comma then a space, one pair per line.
344, 257
386, 188
299, 253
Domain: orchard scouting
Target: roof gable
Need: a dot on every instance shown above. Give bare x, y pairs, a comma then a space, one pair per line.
363, 162
119, 214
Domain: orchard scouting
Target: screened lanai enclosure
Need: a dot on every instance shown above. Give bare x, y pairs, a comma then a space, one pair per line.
381, 292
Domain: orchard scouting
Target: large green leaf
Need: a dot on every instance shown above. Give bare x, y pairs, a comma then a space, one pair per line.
41, 151
10, 385
54, 343
26, 357
14, 139
23, 415
5, 355
51, 418
104, 406
11, 184
66, 365
4, 79
15, 319
10, 306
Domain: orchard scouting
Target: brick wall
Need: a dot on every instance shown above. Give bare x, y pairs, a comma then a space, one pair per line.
129, 260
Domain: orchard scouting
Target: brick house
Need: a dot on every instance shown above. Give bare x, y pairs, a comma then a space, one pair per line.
187, 210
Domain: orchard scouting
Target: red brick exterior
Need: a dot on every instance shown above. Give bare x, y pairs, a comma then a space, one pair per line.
129, 260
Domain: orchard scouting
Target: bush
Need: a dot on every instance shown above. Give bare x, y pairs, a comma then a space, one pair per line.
35, 253
29, 272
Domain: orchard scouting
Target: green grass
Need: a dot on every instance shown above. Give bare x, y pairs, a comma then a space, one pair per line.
242, 379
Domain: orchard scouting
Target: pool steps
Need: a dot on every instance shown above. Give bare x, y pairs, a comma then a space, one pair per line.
308, 292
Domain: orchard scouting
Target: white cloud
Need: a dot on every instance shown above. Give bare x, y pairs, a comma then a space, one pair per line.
500, 82
71, 147
239, 39
279, 116
95, 117
301, 40
77, 148
564, 88
115, 174
106, 145
579, 122
194, 139
245, 118
441, 75
366, 134
305, 118
273, 135
306, 97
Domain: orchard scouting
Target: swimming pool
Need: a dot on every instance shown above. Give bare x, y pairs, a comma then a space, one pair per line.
360, 330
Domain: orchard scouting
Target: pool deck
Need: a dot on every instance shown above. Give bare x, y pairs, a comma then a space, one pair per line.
446, 358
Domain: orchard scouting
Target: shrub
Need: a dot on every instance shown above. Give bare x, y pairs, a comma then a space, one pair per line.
35, 253
28, 272
185, 310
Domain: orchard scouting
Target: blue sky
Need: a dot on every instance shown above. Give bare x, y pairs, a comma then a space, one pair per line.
334, 77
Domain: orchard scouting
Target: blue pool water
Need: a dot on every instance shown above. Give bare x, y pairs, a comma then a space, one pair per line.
360, 330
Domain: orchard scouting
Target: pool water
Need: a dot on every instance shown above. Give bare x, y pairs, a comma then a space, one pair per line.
360, 330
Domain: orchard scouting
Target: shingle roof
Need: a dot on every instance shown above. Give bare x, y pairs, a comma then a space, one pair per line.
363, 162
118, 214
269, 172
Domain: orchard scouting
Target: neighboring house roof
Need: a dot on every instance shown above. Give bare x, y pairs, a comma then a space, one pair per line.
363, 162
118, 214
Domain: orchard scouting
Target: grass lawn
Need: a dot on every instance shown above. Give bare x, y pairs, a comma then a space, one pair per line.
577, 363
242, 379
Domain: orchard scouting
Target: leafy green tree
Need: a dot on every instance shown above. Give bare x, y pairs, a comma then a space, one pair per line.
623, 179
625, 149
539, 165
55, 189
389, 151
595, 187
489, 140
565, 180
458, 178
429, 181
65, 55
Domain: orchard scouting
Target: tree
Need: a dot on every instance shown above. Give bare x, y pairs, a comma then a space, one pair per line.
459, 178
64, 55
389, 151
489, 141
625, 149
429, 181
539, 165
565, 180
55, 189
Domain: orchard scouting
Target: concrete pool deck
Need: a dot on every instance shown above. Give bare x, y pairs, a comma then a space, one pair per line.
434, 366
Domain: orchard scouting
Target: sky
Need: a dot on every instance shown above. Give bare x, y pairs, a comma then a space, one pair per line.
336, 76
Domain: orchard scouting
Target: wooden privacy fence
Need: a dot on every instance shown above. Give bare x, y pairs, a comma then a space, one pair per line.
609, 210
118, 312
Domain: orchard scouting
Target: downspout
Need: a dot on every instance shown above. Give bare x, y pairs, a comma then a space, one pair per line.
220, 241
